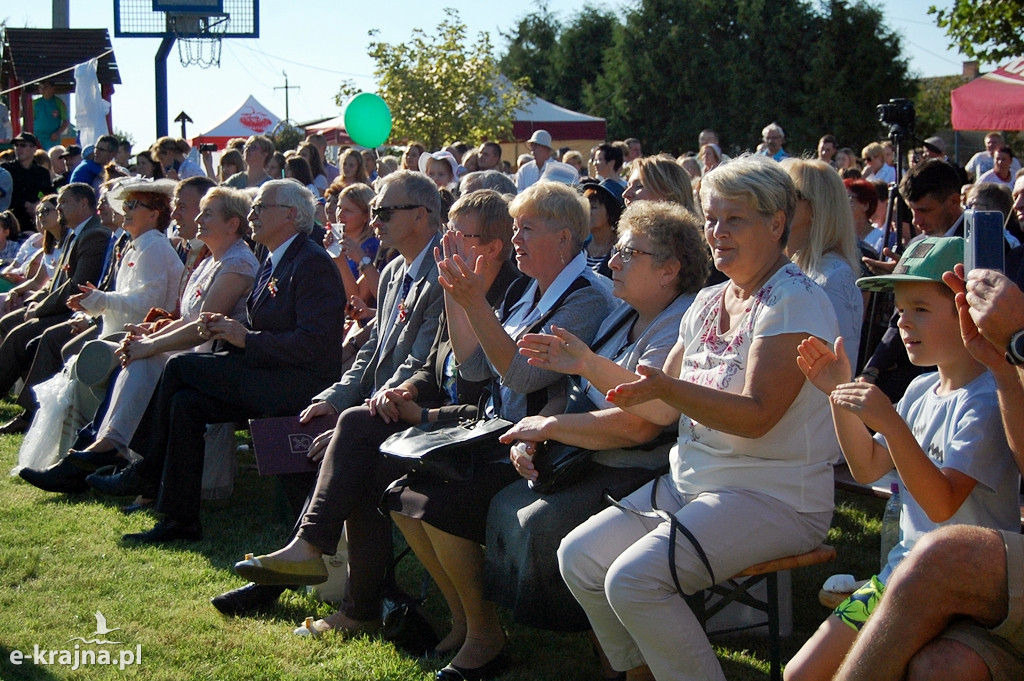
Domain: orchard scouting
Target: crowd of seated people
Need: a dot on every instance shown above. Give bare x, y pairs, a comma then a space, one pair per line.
379, 293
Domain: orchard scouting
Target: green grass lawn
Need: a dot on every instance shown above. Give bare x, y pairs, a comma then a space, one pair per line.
61, 560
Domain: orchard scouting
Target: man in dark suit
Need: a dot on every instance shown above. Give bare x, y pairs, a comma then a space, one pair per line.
81, 261
406, 217
286, 354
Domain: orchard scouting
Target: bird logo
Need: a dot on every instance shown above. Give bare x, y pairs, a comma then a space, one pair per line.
101, 630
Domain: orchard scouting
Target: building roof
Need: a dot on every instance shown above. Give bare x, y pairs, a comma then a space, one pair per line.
32, 53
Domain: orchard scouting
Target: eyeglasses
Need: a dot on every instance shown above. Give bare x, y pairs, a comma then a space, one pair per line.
384, 213
132, 204
258, 208
450, 229
626, 253
44, 211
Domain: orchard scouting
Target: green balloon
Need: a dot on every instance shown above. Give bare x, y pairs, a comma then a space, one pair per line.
367, 120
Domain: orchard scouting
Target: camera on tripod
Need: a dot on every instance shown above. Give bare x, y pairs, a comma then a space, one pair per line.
899, 115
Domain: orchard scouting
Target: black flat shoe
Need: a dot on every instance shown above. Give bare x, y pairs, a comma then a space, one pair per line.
247, 600
126, 483
135, 507
89, 460
485, 671
167, 530
62, 477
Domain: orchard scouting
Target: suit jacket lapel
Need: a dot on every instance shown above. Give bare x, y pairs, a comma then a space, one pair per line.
288, 256
418, 282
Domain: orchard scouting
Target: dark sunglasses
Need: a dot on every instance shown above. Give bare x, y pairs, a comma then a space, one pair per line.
385, 213
45, 210
132, 204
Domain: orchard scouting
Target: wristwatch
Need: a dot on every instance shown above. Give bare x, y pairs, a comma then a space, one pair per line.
367, 260
1015, 350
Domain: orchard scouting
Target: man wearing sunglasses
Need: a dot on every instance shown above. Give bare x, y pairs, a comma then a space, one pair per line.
406, 217
288, 350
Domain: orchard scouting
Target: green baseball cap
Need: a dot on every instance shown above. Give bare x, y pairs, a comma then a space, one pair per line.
924, 260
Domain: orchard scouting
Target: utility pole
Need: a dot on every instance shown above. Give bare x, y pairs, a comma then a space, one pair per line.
286, 88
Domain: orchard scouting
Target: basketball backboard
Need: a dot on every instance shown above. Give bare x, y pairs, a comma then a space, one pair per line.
186, 18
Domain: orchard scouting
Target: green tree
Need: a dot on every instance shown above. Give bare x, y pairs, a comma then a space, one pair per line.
989, 30
737, 66
530, 49
440, 87
562, 60
934, 109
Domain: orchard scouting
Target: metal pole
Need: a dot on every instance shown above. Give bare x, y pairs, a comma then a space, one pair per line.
161, 84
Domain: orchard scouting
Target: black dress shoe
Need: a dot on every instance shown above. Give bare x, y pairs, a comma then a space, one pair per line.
62, 477
167, 530
489, 670
19, 424
89, 460
125, 483
247, 600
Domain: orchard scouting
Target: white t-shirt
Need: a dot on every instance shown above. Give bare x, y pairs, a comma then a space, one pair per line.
963, 431
793, 461
990, 176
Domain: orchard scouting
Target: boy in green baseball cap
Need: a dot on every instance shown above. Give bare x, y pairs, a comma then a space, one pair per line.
945, 436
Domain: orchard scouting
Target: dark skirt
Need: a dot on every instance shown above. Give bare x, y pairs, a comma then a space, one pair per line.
458, 508
524, 530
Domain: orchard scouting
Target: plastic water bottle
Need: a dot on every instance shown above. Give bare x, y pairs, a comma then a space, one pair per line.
891, 523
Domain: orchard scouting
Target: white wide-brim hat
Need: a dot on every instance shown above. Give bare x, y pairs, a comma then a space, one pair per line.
139, 185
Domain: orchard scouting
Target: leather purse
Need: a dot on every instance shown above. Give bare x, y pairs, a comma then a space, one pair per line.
559, 465
448, 450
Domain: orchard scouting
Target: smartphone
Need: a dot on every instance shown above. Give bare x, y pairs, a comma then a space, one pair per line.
984, 242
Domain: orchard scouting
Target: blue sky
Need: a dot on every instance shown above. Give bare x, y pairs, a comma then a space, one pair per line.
326, 41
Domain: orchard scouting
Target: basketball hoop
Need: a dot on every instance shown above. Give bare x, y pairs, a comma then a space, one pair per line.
198, 38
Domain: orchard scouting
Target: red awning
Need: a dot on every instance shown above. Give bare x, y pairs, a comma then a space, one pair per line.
993, 102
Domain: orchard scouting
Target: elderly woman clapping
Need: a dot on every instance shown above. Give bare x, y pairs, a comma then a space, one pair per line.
751, 477
658, 264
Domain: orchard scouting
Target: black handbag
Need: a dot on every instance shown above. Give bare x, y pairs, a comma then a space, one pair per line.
448, 450
558, 465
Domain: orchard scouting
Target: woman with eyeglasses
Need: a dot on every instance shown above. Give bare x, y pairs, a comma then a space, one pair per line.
220, 283
150, 269
352, 478
657, 265
444, 522
751, 473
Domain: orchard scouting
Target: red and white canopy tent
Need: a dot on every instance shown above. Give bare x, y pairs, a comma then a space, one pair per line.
567, 127
251, 118
333, 130
994, 101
